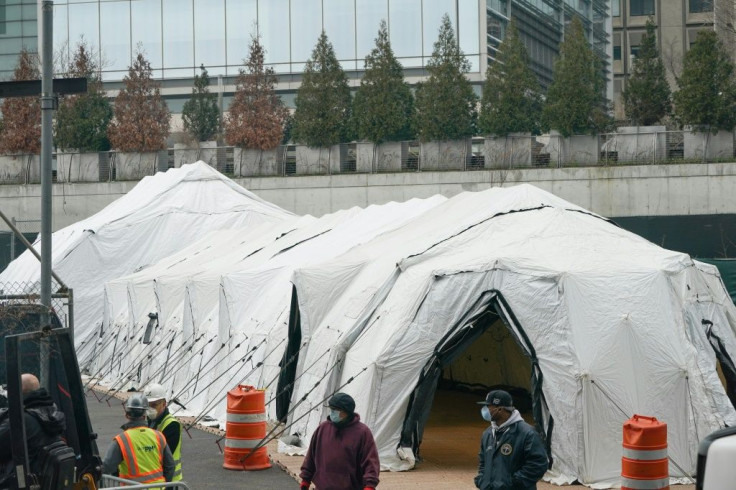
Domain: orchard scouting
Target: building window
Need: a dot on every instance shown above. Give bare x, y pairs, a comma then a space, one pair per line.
616, 8
2, 16
617, 53
634, 52
641, 7
698, 6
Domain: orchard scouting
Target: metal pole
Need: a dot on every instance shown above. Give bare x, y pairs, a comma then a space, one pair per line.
47, 112
12, 243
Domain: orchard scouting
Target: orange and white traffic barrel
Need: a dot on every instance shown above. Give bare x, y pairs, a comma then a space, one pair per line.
245, 429
644, 464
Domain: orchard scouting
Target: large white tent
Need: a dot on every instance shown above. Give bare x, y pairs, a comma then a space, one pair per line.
223, 305
609, 325
161, 215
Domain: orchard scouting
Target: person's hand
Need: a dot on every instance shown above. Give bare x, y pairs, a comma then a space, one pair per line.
304, 485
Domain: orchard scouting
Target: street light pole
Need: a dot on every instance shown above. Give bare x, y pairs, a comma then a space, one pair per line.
47, 113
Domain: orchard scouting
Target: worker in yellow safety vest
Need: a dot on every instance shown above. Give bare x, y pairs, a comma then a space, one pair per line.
139, 453
161, 419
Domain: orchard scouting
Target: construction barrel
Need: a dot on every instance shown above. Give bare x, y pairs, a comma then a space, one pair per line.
644, 464
245, 429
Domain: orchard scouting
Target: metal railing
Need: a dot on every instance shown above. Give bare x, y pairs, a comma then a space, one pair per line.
109, 481
628, 146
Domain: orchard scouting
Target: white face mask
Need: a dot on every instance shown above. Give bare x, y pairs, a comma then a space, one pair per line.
335, 416
151, 413
485, 413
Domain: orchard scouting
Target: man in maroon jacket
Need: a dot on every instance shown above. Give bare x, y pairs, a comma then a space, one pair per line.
342, 454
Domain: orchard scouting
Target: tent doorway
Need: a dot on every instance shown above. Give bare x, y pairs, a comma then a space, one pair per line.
487, 350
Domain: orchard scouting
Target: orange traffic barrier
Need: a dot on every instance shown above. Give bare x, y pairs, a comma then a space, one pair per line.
245, 429
644, 464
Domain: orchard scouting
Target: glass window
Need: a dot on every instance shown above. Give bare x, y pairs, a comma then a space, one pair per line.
641, 7
61, 31
339, 20
306, 26
115, 23
84, 23
433, 11
370, 13
468, 31
241, 25
697, 6
10, 13
209, 33
617, 53
273, 26
145, 22
616, 8
405, 30
178, 35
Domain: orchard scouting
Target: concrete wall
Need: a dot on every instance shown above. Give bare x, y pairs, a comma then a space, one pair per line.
636, 190
698, 145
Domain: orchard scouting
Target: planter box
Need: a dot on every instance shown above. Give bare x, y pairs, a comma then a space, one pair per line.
709, 146
364, 157
312, 161
184, 154
20, 169
445, 155
77, 167
250, 163
134, 166
514, 150
389, 156
579, 148
639, 144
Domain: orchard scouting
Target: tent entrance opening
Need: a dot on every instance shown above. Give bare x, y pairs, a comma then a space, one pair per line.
454, 425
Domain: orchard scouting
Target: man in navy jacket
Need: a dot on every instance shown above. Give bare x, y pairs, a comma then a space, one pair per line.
512, 455
342, 454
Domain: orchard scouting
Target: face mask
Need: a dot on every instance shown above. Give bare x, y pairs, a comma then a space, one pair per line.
335, 416
485, 413
151, 413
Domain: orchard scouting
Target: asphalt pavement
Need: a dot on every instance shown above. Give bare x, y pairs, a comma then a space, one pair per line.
201, 458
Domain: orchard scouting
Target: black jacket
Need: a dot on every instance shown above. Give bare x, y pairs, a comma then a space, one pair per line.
516, 460
44, 425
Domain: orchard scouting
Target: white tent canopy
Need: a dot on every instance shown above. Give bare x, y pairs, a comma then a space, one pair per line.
158, 217
612, 326
224, 301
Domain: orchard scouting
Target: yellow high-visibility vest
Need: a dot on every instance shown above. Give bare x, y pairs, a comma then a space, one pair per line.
143, 455
175, 451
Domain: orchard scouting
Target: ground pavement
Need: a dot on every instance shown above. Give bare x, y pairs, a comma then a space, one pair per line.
446, 465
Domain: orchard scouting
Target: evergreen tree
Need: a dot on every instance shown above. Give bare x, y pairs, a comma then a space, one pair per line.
322, 102
576, 102
21, 116
706, 99
141, 117
82, 120
647, 93
445, 103
511, 101
383, 104
256, 117
200, 115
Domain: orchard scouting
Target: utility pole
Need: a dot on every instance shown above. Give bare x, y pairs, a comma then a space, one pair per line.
48, 89
48, 101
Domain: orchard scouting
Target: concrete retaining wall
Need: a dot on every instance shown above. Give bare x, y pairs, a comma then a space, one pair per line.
631, 190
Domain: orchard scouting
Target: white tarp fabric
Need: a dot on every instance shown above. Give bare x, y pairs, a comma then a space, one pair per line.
223, 305
617, 324
161, 215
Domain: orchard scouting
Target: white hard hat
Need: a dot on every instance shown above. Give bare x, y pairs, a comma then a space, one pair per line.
155, 392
